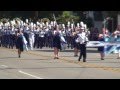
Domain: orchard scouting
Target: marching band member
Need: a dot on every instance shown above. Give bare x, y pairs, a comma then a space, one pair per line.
69, 37
12, 37
50, 37
31, 38
36, 32
19, 43
46, 36
41, 38
101, 49
56, 43
82, 40
63, 41
38, 36
117, 36
75, 44
0, 35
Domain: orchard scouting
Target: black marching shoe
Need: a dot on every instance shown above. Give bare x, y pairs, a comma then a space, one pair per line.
118, 58
19, 56
57, 58
75, 55
84, 60
79, 59
102, 58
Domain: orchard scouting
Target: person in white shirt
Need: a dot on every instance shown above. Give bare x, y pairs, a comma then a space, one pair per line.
0, 37
82, 40
41, 38
31, 39
36, 32
117, 39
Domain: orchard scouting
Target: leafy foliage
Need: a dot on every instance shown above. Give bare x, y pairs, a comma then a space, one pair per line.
67, 16
45, 20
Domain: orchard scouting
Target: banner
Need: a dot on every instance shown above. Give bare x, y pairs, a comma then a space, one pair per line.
95, 44
111, 46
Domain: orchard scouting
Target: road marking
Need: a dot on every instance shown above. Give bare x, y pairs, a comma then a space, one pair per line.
4, 66
30, 75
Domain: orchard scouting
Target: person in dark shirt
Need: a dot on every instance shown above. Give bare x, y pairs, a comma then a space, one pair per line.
19, 43
75, 45
56, 44
101, 49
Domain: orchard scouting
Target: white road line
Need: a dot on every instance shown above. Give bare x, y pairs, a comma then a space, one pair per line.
4, 66
30, 75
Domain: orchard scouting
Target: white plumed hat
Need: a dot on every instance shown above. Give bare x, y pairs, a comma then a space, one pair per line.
81, 24
78, 25
26, 20
72, 25
68, 23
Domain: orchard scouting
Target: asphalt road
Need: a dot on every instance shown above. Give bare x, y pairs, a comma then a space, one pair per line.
39, 64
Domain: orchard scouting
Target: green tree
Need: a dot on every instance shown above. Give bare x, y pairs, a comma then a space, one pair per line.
112, 14
67, 16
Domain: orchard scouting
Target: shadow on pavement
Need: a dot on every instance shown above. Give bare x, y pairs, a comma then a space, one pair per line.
103, 62
16, 58
88, 51
33, 59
